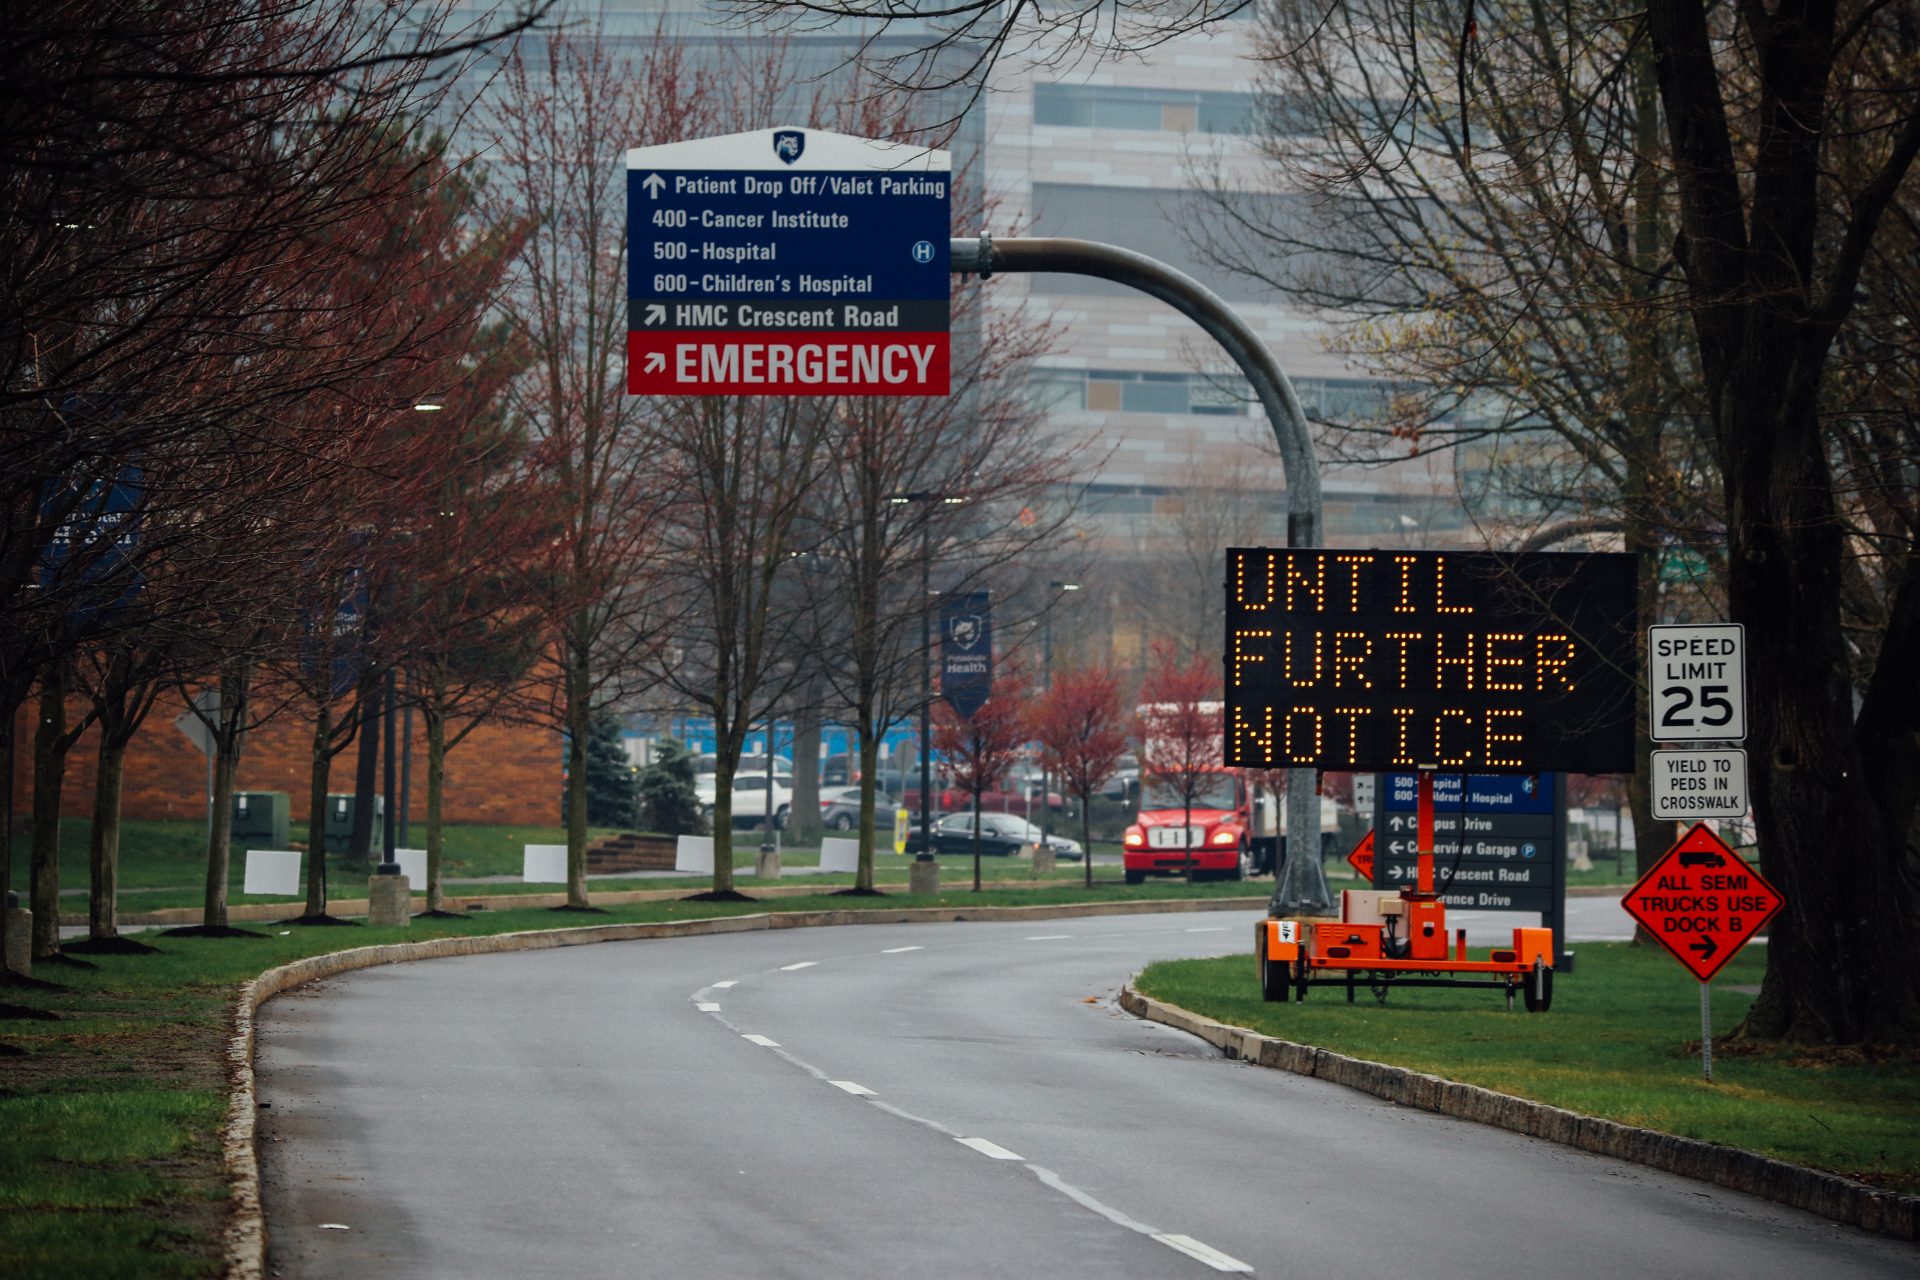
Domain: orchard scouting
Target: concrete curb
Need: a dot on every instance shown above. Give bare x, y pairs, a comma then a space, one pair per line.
1826, 1194
244, 1244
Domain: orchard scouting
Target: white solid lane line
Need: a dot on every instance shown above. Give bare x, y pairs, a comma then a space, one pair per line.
894, 951
762, 1041
985, 1148
857, 1090
804, 964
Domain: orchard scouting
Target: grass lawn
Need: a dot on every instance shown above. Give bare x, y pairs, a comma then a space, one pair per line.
1622, 1041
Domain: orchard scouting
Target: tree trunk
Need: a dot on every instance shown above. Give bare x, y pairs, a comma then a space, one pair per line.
366, 772
579, 715
1842, 960
103, 844
804, 821
1086, 834
50, 744
232, 718
869, 817
436, 791
320, 769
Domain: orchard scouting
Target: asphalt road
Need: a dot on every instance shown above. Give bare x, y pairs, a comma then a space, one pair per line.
937, 1100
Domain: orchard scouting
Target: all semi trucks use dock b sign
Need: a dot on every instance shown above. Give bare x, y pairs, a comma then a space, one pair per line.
1385, 659
788, 262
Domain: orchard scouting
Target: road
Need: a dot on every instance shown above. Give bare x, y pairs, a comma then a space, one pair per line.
943, 1100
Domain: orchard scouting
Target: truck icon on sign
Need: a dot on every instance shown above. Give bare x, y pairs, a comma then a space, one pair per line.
1701, 858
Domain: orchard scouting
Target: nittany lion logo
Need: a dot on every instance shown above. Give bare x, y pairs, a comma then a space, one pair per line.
788, 144
967, 629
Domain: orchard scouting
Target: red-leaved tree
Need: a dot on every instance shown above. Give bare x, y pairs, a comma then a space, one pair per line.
1081, 723
1178, 729
981, 750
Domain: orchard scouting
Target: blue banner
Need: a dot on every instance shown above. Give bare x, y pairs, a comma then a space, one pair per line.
966, 652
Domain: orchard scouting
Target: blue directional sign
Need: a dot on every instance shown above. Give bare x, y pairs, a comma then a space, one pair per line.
788, 261
1496, 843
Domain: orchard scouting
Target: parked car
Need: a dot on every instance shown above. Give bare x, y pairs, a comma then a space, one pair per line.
1124, 782
749, 798
840, 770
842, 811
1001, 834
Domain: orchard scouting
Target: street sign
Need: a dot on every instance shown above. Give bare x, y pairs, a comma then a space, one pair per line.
1702, 902
1496, 843
1361, 859
966, 651
1363, 788
1697, 683
788, 262
1485, 661
1691, 785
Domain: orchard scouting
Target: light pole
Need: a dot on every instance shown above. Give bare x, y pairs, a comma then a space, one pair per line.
1046, 677
926, 662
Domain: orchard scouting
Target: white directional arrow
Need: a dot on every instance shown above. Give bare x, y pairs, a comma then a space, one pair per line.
1394, 822
656, 361
653, 182
655, 313
1398, 846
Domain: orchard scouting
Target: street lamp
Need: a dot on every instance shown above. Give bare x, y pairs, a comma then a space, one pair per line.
926, 664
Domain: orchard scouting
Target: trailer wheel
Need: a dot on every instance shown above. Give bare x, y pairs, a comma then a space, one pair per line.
1273, 973
1537, 991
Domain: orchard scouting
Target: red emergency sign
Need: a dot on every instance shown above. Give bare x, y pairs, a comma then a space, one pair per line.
1702, 902
783, 362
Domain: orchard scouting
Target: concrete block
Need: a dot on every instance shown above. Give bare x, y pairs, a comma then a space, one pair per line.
923, 876
766, 864
19, 957
1043, 859
387, 901
839, 854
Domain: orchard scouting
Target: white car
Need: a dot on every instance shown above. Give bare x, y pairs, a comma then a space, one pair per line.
749, 798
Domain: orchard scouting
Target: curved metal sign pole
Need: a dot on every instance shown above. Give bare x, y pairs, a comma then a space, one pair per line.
1301, 885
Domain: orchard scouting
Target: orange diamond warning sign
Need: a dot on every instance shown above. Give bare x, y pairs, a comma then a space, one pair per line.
1702, 902
1361, 859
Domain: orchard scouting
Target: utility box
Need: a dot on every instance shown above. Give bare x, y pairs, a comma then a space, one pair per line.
260, 818
340, 807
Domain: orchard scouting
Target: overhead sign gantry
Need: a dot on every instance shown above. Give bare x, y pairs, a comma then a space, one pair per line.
788, 261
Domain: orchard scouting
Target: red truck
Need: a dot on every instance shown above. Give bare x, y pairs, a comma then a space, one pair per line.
1218, 834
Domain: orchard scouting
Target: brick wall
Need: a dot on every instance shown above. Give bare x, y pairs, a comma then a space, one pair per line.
500, 773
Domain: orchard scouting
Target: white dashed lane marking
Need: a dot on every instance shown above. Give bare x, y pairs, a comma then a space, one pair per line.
894, 951
804, 964
762, 1041
857, 1090
991, 1149
1203, 1253
722, 986
707, 1006
1049, 937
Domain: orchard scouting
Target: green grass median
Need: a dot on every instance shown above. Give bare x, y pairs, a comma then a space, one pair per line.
1622, 1042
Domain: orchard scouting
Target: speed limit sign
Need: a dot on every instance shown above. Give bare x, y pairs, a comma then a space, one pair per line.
1698, 679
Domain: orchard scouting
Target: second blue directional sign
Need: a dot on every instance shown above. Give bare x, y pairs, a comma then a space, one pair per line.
788, 261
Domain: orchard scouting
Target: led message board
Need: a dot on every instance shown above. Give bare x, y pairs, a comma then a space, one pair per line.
1381, 659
